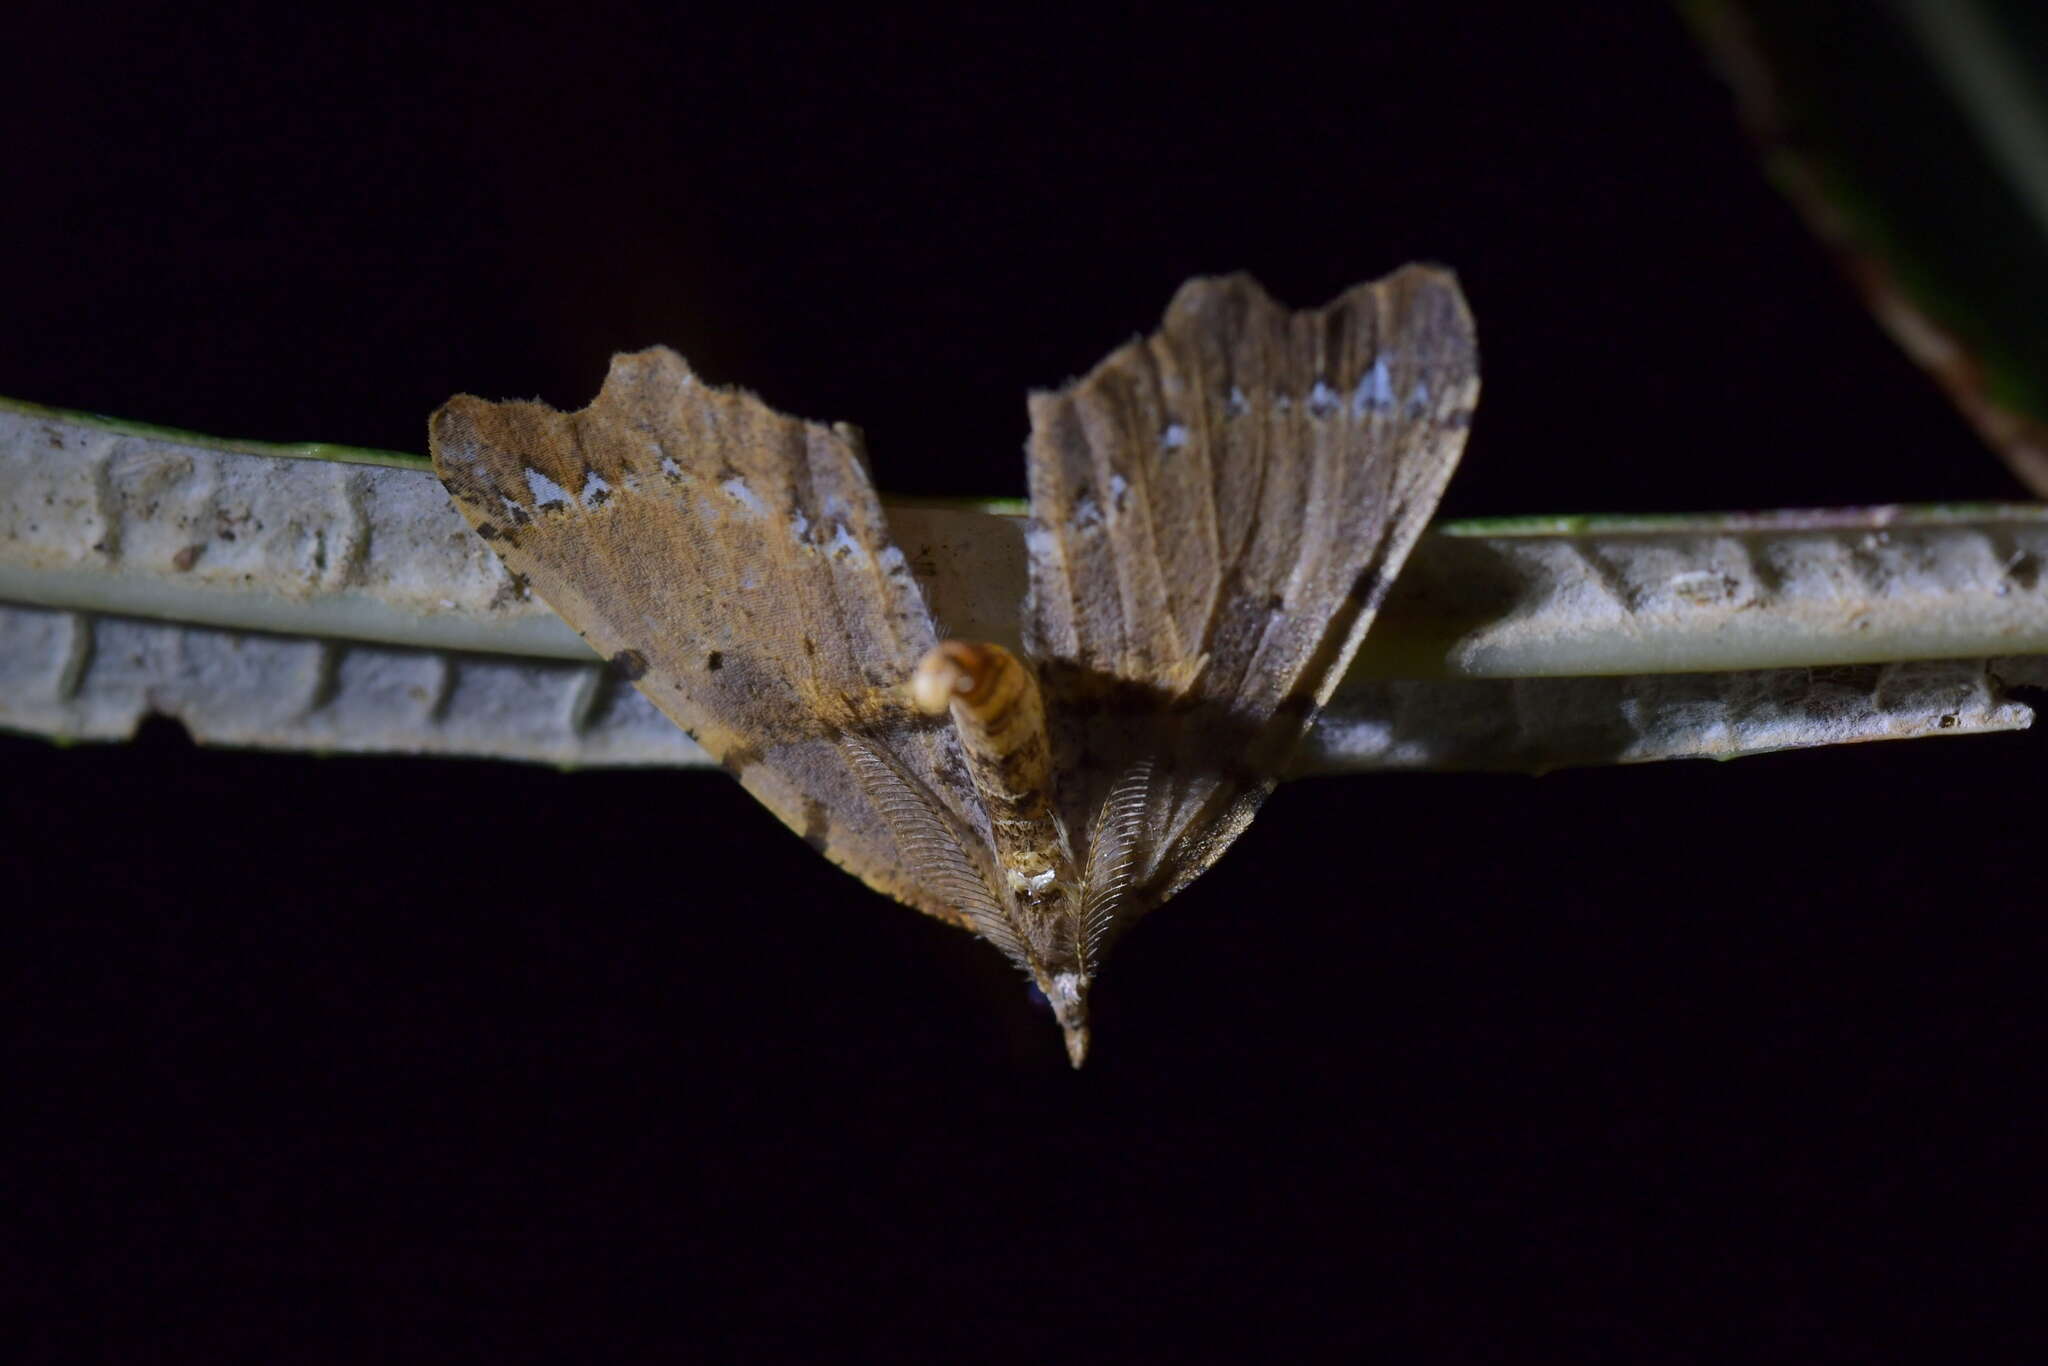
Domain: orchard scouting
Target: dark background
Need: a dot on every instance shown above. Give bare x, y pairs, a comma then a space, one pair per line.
339, 1058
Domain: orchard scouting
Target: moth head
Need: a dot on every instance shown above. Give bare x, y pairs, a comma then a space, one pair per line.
1067, 991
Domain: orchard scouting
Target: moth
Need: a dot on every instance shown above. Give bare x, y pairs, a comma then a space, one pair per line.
1217, 510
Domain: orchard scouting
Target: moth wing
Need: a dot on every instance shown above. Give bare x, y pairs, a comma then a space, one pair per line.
735, 563
930, 842
1217, 510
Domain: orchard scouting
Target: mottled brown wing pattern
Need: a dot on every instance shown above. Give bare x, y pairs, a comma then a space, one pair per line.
734, 563
1216, 512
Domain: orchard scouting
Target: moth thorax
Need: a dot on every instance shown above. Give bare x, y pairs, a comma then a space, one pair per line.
994, 699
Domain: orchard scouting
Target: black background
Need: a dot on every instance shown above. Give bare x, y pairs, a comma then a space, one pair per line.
340, 1058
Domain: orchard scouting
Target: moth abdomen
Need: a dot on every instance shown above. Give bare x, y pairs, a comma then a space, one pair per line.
1000, 716
996, 705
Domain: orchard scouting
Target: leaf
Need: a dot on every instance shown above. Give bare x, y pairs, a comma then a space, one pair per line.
1913, 138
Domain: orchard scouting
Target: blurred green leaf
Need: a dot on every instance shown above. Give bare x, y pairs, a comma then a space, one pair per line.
1913, 137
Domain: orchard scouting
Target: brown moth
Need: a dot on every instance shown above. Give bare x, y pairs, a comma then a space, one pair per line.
1217, 511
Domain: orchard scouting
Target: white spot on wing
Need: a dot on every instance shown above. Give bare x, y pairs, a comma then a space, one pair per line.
1235, 403
799, 524
1174, 437
737, 489
595, 489
670, 468
545, 490
1119, 492
1322, 400
1375, 392
844, 546
1418, 398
